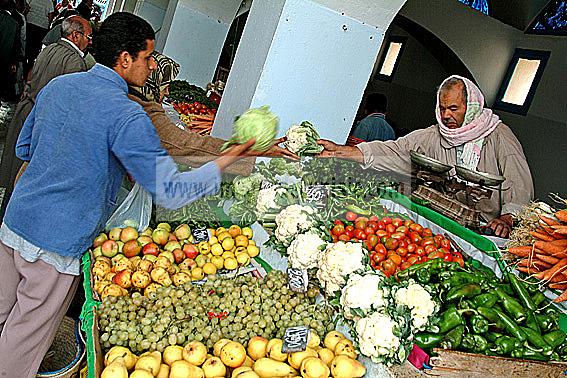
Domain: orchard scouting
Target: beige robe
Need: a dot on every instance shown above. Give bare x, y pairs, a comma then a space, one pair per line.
501, 154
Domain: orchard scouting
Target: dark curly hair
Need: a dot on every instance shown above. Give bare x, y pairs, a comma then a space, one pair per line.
120, 32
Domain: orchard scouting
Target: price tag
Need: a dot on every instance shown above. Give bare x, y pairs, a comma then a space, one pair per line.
295, 339
318, 195
266, 184
200, 234
297, 280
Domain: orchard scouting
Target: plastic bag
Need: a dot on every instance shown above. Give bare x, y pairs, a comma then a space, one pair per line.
135, 211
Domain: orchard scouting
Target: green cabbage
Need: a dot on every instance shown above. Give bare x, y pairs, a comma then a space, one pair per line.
260, 124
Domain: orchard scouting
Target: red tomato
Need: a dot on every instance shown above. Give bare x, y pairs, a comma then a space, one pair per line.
427, 241
402, 251
423, 259
395, 258
398, 235
416, 227
405, 265
437, 239
426, 232
368, 245
389, 267
378, 257
374, 218
362, 219
350, 216
349, 228
357, 232
408, 222
403, 243
430, 248
415, 237
338, 222
420, 251
397, 222
436, 255
391, 243
381, 233
446, 244
363, 235
360, 224
403, 229
412, 248
387, 220
372, 239
413, 259
380, 248
373, 225
390, 228
447, 257
381, 225
344, 237
338, 230
369, 231
349, 233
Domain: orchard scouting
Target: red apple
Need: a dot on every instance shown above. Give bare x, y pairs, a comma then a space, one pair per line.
123, 278
190, 251
131, 248
151, 249
160, 236
127, 234
109, 248
178, 255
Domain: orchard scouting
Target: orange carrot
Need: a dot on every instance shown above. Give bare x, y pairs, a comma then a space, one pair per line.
549, 247
560, 230
523, 251
527, 270
561, 215
548, 259
542, 236
560, 242
558, 285
559, 267
549, 221
561, 298
536, 264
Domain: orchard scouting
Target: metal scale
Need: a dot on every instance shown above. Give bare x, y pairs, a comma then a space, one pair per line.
455, 196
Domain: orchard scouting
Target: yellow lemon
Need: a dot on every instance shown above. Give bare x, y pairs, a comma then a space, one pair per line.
204, 247
230, 263
234, 230
247, 231
253, 250
219, 230
218, 261
197, 274
241, 241
216, 249
209, 268
228, 243
243, 258
213, 240
223, 235
227, 254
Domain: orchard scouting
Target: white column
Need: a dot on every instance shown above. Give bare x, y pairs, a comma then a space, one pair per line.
195, 35
307, 60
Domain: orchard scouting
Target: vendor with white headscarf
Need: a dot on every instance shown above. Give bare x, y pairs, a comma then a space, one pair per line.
467, 134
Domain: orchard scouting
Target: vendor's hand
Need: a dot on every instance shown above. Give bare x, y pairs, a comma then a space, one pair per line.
501, 225
344, 152
234, 153
277, 151
330, 148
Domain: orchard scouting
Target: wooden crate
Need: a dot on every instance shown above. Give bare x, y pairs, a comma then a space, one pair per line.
449, 363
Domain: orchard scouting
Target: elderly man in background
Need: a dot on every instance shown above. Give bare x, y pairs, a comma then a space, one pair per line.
467, 134
63, 57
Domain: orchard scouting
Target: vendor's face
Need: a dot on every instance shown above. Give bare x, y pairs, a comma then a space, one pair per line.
142, 66
452, 106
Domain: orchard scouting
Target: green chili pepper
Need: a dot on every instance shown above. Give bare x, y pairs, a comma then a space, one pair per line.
474, 343
465, 291
531, 322
450, 319
537, 340
538, 298
490, 314
453, 338
528, 354
511, 326
357, 210
479, 324
521, 291
426, 340
555, 338
505, 345
512, 306
545, 322
423, 276
493, 336
485, 300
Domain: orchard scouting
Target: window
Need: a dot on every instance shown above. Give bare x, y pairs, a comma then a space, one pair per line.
520, 83
391, 58
479, 5
552, 20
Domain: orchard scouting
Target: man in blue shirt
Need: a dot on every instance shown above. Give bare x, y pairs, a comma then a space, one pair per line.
374, 126
82, 136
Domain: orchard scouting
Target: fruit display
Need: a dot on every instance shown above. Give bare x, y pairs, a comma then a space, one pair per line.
235, 308
332, 356
127, 261
394, 243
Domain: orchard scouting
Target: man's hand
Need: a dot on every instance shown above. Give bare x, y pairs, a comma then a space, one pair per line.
501, 225
235, 153
344, 152
277, 151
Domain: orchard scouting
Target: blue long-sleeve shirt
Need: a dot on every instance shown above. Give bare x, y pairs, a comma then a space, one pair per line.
81, 137
374, 127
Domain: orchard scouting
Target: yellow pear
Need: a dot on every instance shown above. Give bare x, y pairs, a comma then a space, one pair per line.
240, 370
274, 350
332, 339
163, 371
268, 368
247, 374
213, 367
326, 355
218, 346
195, 353
183, 369
314, 339
257, 347
150, 362
233, 354
345, 367
345, 347
116, 369
172, 353
296, 358
143, 374
248, 362
313, 367
118, 351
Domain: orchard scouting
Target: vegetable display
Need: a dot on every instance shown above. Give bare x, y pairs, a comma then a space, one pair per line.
260, 124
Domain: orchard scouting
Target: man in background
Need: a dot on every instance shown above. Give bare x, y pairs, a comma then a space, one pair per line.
9, 49
374, 126
38, 18
65, 56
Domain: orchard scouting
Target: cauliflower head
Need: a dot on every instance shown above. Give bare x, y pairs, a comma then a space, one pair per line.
267, 199
305, 250
362, 292
292, 220
419, 301
376, 336
339, 260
